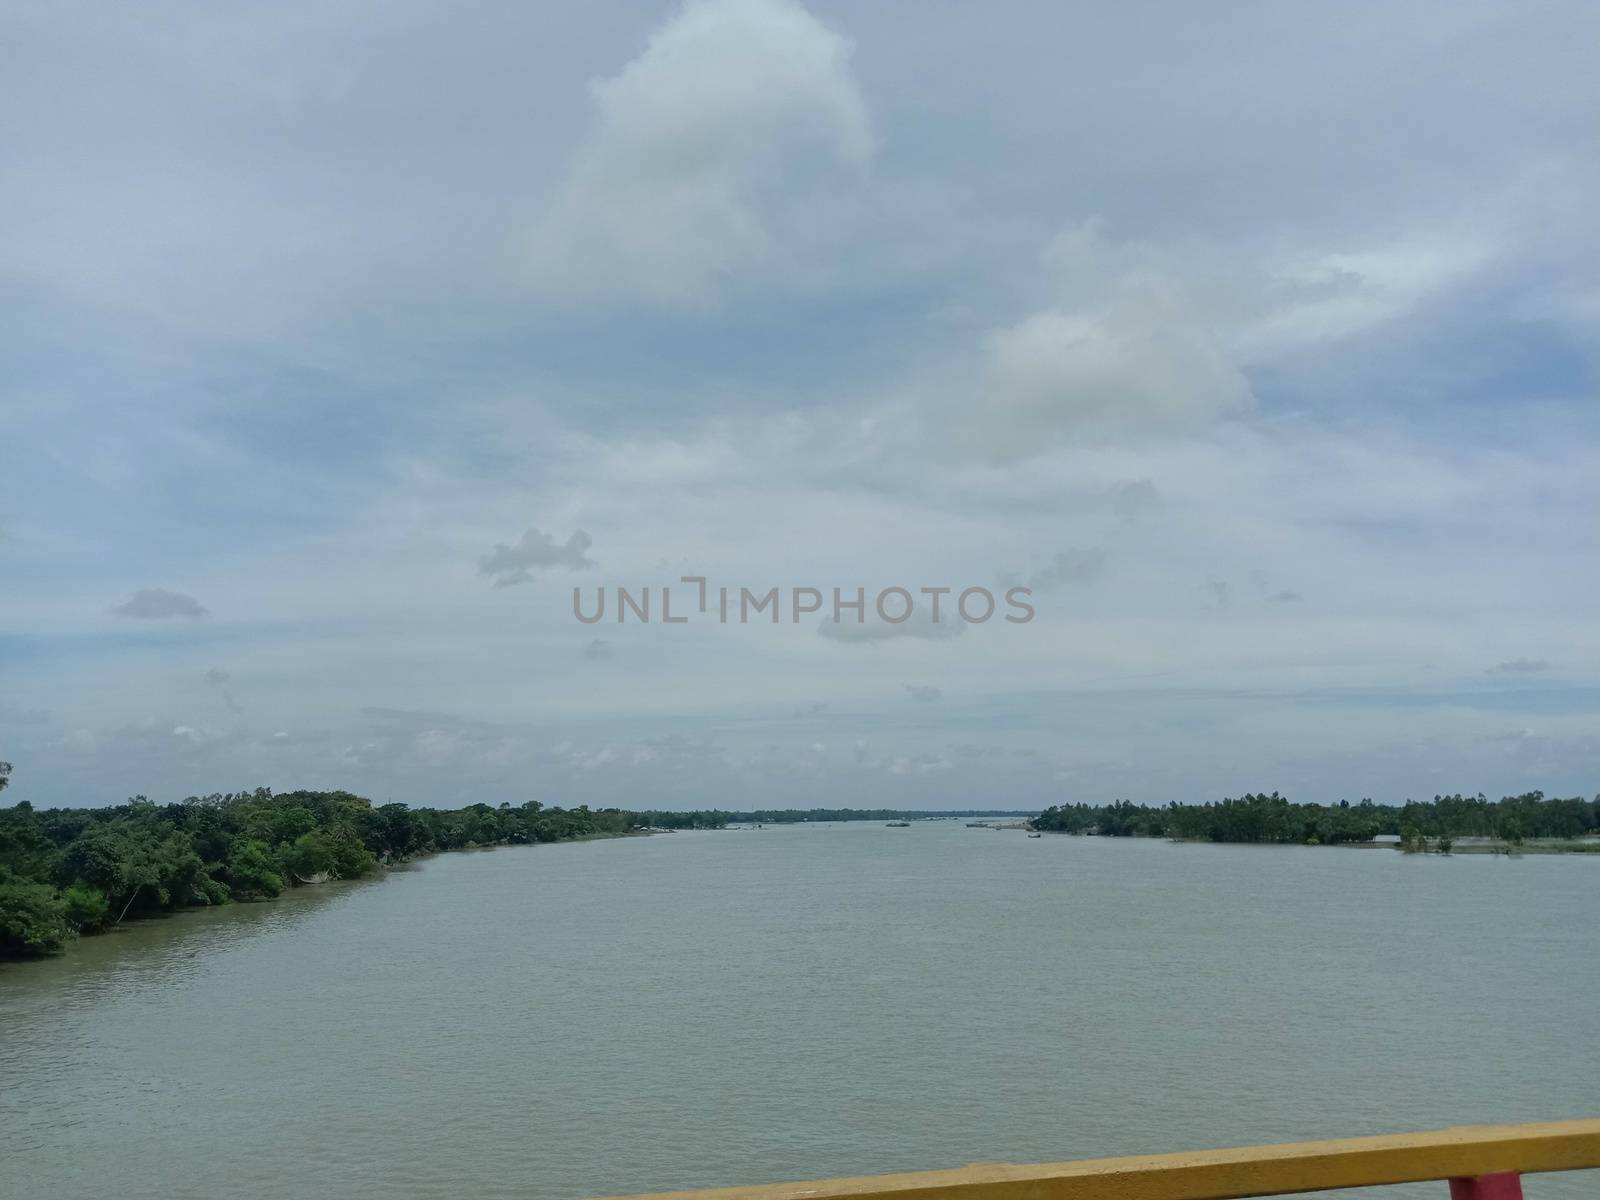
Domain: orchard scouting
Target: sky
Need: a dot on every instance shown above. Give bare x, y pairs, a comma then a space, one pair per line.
340, 343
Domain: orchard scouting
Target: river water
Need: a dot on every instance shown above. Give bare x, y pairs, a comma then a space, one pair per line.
704, 1009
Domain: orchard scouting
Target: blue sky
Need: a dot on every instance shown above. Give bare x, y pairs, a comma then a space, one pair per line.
1260, 339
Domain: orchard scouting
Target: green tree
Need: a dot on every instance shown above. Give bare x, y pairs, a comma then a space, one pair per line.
33, 920
141, 863
351, 860
25, 844
87, 909
310, 855
116, 859
1510, 828
251, 873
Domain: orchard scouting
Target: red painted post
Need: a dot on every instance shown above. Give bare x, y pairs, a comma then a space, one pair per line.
1507, 1186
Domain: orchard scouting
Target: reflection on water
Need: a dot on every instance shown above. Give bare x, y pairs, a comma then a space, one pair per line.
705, 1009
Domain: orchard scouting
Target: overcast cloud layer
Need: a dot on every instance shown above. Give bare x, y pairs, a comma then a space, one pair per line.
340, 343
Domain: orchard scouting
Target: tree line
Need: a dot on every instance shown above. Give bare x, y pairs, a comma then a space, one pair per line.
71, 871
1272, 818
718, 818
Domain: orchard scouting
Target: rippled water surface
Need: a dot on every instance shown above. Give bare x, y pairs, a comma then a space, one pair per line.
743, 1006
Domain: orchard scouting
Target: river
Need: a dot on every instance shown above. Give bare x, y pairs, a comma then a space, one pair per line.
701, 1009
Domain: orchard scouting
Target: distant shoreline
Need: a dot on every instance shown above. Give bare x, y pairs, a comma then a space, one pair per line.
1583, 845
1417, 825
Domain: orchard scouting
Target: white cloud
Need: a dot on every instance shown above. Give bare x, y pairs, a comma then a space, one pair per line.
1313, 299
1399, 393
1131, 345
1141, 365
1162, 337
702, 151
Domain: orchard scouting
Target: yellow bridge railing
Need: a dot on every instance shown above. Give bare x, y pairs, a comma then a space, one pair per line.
1482, 1162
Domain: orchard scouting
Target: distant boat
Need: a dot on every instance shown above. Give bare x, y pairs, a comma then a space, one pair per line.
898, 825
977, 824
1036, 835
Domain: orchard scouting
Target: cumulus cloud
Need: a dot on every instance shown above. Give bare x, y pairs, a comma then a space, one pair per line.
1161, 338
922, 693
1519, 666
1143, 364
1130, 345
158, 604
534, 551
701, 150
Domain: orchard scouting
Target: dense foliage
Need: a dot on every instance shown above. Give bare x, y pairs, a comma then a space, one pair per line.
1264, 818
67, 871
717, 818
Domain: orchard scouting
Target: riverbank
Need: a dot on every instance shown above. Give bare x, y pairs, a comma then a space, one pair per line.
69, 873
1262, 817
66, 873
1566, 846
1585, 845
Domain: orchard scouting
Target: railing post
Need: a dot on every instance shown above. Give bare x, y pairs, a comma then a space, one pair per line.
1507, 1186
